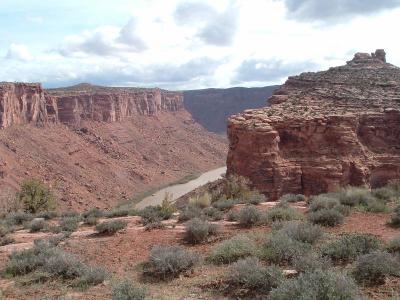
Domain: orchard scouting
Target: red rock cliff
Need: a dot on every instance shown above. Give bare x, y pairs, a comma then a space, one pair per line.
22, 103
322, 130
87, 102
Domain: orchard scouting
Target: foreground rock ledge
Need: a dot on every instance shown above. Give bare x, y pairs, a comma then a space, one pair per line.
322, 130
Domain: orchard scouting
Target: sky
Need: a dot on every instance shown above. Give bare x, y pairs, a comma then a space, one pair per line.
177, 44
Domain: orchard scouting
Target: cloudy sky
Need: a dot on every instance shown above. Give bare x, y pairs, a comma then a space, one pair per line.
181, 44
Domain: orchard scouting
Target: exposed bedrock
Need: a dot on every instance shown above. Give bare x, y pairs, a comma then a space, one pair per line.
322, 130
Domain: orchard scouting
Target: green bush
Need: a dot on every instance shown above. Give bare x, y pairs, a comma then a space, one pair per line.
311, 261
18, 218
47, 215
373, 268
292, 198
5, 229
111, 227
255, 198
35, 196
224, 204
395, 218
190, 212
251, 275
197, 231
45, 257
151, 214
328, 201
69, 224
118, 212
169, 261
213, 214
326, 217
202, 201
126, 290
249, 216
281, 249
353, 196
37, 225
394, 245
282, 213
385, 194
236, 187
232, 216
348, 246
90, 220
302, 232
93, 212
231, 250
70, 214
319, 284
374, 205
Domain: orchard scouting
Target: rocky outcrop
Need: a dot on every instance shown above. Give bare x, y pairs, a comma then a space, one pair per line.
22, 103
107, 104
212, 107
322, 130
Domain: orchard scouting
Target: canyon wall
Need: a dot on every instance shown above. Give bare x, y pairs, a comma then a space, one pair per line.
22, 103
108, 104
322, 130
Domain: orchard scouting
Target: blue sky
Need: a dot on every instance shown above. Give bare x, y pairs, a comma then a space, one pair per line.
181, 44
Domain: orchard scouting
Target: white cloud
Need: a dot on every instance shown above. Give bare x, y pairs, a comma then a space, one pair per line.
35, 19
18, 52
104, 41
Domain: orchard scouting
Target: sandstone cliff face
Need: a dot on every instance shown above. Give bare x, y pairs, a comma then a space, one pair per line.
22, 103
323, 130
87, 102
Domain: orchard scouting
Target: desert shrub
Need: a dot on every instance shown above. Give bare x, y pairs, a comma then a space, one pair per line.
37, 225
281, 249
45, 257
93, 212
197, 231
348, 246
311, 261
35, 196
236, 187
395, 218
126, 290
393, 245
9, 202
118, 212
282, 213
249, 216
374, 205
69, 224
353, 196
202, 201
372, 268
6, 240
154, 225
326, 217
169, 261
47, 215
167, 207
231, 250
324, 201
385, 194
4, 229
223, 204
90, 220
255, 198
232, 216
190, 212
152, 214
70, 214
213, 214
251, 275
318, 284
302, 232
92, 276
111, 227
18, 218
292, 198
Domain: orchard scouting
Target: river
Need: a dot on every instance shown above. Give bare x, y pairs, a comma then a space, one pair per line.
179, 190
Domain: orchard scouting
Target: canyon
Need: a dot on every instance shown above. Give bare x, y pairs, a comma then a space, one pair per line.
322, 130
99, 146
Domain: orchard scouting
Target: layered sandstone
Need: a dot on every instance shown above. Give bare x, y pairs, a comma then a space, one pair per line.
107, 104
323, 130
22, 103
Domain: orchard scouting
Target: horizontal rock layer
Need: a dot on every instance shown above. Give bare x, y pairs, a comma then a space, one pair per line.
322, 130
